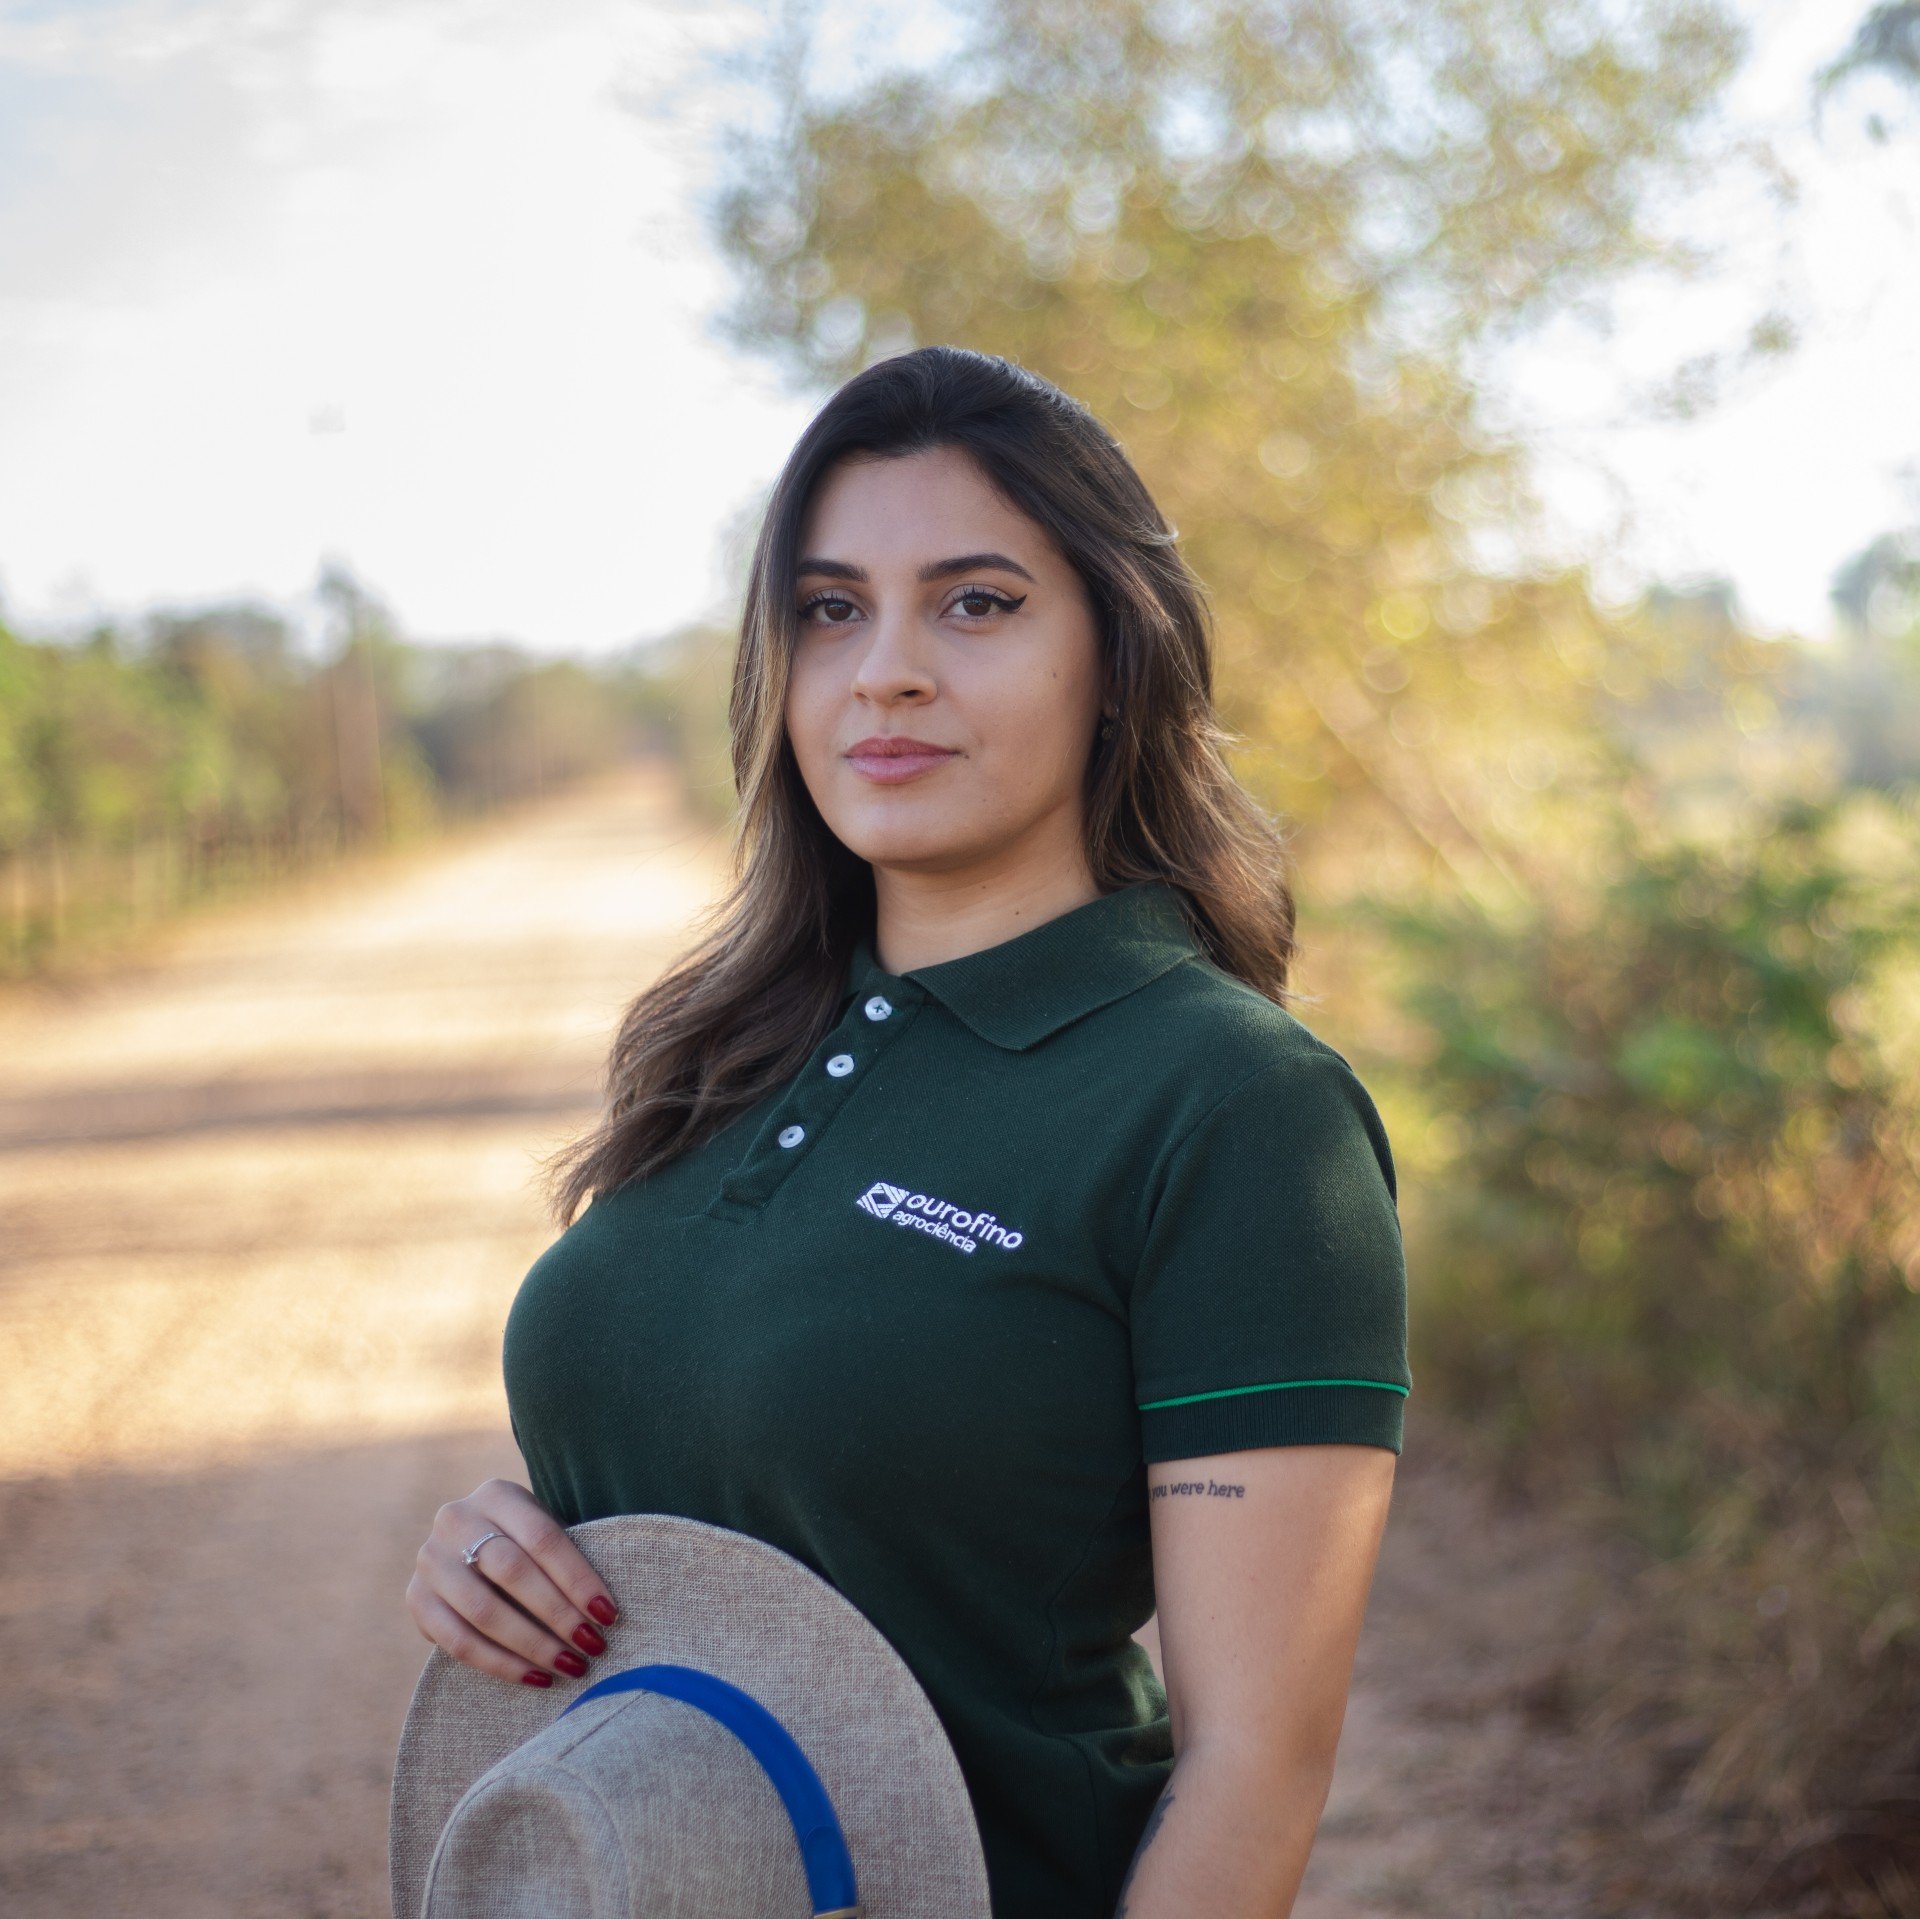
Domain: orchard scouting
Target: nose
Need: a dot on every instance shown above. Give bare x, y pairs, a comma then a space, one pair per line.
893, 663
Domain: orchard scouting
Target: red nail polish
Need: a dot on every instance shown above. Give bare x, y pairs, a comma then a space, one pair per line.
588, 1640
603, 1609
570, 1662
536, 1679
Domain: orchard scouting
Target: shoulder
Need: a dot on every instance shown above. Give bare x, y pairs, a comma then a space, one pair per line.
1241, 1068
1212, 1025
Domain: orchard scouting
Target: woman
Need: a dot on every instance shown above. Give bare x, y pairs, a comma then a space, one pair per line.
970, 1218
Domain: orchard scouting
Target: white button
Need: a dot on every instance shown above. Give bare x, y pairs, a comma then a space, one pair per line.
792, 1135
840, 1065
878, 1008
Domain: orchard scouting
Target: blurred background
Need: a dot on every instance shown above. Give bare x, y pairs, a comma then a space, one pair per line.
388, 397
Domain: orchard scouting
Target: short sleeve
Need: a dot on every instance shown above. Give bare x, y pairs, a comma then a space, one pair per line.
1270, 1304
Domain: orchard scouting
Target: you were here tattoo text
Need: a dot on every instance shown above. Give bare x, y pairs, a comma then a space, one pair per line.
1199, 1489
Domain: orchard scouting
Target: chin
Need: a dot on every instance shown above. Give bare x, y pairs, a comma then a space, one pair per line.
926, 847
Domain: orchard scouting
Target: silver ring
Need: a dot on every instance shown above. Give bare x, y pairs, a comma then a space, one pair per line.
468, 1555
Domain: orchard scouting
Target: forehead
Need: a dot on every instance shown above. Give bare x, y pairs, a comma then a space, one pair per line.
914, 507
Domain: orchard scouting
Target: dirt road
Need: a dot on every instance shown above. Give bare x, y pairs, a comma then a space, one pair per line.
264, 1201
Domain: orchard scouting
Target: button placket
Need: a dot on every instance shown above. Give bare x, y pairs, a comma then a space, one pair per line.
873, 1021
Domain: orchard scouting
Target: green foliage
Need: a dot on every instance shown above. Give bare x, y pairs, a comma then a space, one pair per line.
140, 772
1683, 1106
1669, 1227
690, 676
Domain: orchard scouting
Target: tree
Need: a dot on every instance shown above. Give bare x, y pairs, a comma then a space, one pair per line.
1270, 243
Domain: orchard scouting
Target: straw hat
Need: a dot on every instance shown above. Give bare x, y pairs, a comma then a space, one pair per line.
751, 1747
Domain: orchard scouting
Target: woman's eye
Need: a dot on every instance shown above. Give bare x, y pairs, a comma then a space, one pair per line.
827, 599
986, 603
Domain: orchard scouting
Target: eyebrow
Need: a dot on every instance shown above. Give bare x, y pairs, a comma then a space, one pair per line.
933, 570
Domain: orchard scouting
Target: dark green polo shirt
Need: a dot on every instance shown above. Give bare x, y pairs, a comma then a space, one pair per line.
1024, 1222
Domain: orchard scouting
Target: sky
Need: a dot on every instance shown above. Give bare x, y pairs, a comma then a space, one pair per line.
410, 285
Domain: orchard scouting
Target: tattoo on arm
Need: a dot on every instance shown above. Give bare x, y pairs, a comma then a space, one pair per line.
1158, 1813
1202, 1489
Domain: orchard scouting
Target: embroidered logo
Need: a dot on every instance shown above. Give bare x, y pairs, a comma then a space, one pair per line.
938, 1218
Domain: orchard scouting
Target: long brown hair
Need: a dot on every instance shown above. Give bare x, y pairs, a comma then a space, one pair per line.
736, 1016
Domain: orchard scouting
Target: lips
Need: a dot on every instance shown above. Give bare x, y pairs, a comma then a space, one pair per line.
882, 745
895, 757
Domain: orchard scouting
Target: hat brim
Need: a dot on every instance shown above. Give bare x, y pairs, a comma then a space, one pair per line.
726, 1603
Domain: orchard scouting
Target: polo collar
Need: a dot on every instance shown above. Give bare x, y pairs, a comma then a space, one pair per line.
1016, 993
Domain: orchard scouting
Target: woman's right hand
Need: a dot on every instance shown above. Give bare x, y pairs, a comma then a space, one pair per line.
523, 1606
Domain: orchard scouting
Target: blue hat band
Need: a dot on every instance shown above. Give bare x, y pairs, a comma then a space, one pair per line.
816, 1827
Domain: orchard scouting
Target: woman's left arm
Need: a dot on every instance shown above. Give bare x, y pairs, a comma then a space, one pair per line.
1262, 1563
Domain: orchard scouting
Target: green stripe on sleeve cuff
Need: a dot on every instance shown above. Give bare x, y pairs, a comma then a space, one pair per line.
1359, 1412
1278, 1385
